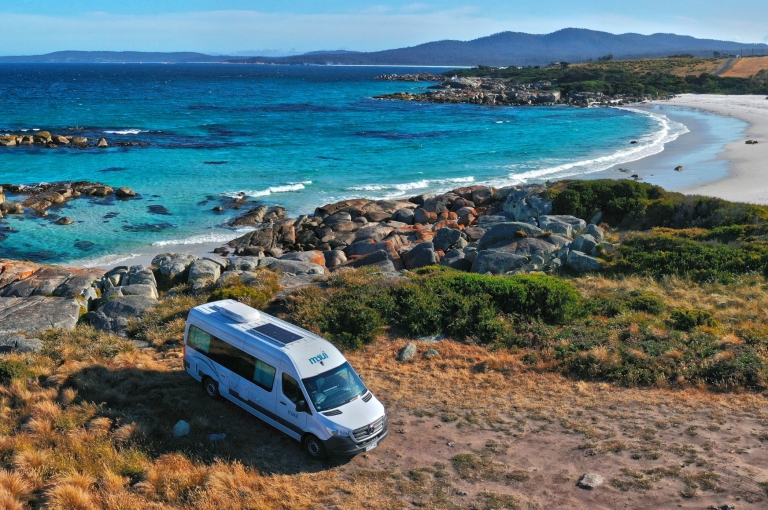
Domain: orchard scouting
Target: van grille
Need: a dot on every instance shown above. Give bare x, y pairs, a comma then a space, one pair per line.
369, 430
368, 396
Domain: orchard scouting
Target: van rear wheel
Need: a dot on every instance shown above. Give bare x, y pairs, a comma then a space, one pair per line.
314, 448
210, 387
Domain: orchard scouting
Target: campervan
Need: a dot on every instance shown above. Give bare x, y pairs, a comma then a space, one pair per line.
288, 377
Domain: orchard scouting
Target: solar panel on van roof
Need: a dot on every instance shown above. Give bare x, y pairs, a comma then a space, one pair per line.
277, 333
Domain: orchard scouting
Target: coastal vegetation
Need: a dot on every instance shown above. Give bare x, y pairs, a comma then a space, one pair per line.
632, 77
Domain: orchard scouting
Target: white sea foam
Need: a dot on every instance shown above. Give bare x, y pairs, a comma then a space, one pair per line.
126, 132
107, 260
396, 190
201, 239
647, 145
292, 186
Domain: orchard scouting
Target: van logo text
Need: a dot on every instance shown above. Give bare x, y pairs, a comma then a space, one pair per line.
318, 359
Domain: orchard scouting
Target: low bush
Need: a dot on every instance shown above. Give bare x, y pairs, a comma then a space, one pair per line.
661, 255
11, 369
433, 301
635, 205
645, 302
351, 311
688, 319
256, 292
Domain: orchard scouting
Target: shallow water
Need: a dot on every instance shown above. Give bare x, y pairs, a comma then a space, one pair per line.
294, 136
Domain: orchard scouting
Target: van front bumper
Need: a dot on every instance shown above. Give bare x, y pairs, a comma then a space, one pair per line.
347, 447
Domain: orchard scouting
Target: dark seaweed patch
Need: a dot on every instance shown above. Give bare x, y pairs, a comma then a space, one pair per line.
158, 209
148, 227
215, 162
112, 169
84, 245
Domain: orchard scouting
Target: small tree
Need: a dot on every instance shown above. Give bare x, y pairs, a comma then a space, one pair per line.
716, 54
605, 58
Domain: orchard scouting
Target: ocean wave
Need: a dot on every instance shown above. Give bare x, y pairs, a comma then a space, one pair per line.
126, 132
286, 188
399, 190
648, 145
199, 239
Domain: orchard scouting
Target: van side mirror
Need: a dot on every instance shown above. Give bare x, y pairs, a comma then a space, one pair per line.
301, 406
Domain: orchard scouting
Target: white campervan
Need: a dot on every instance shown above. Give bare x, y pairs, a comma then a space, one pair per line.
292, 379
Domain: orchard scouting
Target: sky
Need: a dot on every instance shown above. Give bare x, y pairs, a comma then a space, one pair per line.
259, 27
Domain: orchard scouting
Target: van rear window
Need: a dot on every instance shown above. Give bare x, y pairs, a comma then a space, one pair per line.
199, 340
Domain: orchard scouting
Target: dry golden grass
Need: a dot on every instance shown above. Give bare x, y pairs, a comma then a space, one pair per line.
737, 304
675, 66
746, 67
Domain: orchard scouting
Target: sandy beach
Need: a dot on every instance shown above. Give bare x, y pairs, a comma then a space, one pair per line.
745, 180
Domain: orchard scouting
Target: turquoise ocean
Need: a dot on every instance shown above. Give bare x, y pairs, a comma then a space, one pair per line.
297, 136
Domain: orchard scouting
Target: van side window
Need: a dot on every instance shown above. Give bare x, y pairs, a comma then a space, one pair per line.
291, 389
199, 340
264, 375
232, 358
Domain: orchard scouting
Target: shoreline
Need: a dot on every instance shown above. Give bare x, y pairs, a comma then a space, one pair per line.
745, 180
716, 164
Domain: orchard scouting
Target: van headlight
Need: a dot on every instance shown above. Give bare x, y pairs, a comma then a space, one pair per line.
337, 432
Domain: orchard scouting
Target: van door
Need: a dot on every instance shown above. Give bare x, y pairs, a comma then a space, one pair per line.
288, 398
261, 387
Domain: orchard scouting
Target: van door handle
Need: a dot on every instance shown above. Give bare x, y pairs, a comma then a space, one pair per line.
283, 403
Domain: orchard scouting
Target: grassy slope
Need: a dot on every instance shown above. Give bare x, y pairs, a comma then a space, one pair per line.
87, 423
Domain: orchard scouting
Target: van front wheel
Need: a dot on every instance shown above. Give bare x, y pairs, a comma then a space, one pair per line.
314, 447
210, 387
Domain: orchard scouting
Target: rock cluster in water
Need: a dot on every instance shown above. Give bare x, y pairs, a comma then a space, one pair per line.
497, 91
43, 196
53, 141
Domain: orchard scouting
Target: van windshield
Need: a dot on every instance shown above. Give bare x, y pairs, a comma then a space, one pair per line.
334, 388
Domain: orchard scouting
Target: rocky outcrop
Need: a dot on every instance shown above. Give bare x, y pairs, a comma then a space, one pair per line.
34, 298
503, 92
43, 196
115, 315
453, 229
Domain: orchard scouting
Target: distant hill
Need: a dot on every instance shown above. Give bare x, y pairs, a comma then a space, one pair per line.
114, 57
517, 48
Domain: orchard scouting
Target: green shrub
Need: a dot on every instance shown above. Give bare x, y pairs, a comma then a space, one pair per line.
13, 369
606, 305
630, 204
623, 203
688, 319
743, 370
646, 302
257, 293
350, 312
661, 255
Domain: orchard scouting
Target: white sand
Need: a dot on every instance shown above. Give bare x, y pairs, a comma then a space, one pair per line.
748, 164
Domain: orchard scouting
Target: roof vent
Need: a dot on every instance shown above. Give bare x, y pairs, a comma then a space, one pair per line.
237, 312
